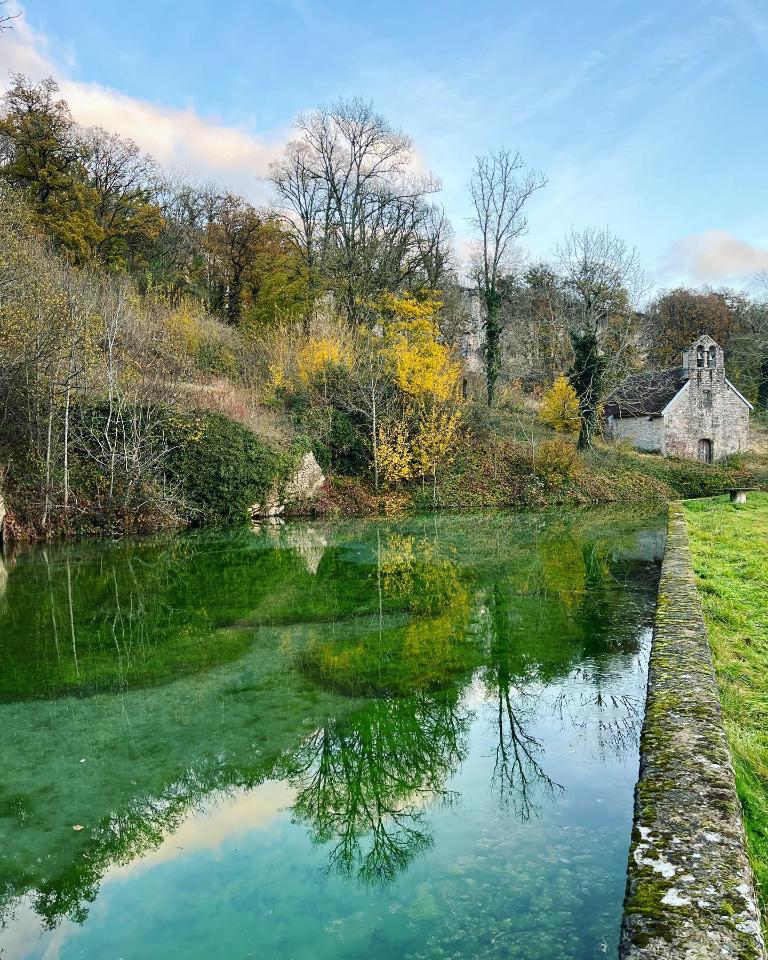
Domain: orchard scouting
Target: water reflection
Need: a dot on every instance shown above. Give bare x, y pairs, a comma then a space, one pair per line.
364, 786
355, 667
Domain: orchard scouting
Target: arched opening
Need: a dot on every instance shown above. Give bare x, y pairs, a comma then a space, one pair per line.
700, 356
705, 451
712, 357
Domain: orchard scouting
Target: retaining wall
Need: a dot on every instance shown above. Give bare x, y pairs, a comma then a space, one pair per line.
690, 892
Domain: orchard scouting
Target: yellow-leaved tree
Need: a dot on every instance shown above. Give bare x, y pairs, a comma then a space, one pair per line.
560, 407
427, 378
317, 354
395, 456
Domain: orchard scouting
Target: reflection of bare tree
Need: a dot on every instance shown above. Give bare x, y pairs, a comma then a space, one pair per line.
518, 773
619, 720
364, 785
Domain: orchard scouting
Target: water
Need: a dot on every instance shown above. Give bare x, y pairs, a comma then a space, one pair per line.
408, 739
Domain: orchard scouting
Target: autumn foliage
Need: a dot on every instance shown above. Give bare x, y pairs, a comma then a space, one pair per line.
560, 407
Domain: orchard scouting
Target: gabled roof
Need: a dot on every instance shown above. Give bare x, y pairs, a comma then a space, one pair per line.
646, 394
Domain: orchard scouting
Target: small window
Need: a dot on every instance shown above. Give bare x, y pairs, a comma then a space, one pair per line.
707, 399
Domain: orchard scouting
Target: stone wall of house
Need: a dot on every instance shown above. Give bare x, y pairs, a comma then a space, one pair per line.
723, 419
643, 432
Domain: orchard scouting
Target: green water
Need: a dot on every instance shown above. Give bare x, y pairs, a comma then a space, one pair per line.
408, 739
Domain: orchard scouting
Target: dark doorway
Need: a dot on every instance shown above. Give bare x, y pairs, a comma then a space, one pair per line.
705, 451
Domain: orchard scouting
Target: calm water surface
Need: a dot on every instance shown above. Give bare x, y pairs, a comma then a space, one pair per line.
389, 740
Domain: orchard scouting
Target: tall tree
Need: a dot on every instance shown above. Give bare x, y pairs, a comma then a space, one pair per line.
231, 239
41, 155
358, 214
677, 317
123, 184
501, 187
603, 275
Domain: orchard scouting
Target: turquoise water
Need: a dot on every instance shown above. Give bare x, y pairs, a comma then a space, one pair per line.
406, 739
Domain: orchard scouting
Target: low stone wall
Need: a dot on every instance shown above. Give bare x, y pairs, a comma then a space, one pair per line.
689, 892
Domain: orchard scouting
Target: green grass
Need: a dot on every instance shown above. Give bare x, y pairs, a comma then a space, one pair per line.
730, 557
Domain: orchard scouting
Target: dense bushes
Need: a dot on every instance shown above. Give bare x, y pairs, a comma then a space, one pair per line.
684, 478
147, 468
222, 468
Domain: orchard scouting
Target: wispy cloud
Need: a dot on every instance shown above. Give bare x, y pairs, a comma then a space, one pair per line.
203, 146
715, 257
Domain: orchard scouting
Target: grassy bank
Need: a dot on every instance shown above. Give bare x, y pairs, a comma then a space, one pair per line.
730, 555
509, 459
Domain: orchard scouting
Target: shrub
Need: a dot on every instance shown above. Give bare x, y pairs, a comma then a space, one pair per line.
560, 407
218, 358
556, 461
222, 468
339, 443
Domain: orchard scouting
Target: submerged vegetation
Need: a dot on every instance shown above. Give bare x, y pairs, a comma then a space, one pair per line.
366, 651
730, 557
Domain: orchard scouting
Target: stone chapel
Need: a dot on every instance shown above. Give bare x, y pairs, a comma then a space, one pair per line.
692, 411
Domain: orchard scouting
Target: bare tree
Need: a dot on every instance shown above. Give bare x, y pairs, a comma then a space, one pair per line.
604, 277
6, 18
366, 392
125, 183
124, 435
500, 187
357, 212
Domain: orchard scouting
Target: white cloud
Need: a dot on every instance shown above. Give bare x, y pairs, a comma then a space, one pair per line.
204, 146
716, 257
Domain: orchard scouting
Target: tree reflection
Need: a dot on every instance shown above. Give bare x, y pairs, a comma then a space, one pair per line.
518, 773
365, 785
418, 639
543, 616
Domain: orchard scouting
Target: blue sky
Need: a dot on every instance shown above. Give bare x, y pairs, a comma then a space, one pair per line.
647, 116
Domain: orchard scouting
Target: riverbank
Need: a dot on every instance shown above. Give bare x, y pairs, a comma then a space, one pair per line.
219, 469
496, 472
730, 557
210, 470
689, 887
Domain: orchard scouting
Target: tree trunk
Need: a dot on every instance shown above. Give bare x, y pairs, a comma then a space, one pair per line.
375, 439
48, 457
762, 387
587, 378
492, 344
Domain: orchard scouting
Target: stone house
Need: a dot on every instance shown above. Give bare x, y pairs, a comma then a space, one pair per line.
692, 411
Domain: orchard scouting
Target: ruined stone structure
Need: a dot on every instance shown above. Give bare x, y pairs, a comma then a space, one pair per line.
692, 411
298, 492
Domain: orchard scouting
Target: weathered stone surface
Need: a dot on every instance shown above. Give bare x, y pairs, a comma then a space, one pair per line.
2, 518
305, 484
689, 892
300, 489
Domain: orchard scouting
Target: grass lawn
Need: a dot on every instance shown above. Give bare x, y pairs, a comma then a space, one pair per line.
730, 557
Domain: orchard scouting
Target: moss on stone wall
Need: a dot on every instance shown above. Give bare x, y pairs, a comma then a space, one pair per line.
689, 887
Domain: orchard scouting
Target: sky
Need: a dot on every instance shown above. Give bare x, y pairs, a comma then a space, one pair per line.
647, 117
